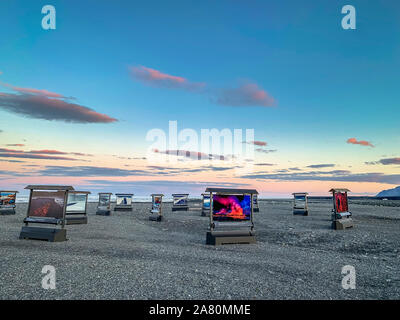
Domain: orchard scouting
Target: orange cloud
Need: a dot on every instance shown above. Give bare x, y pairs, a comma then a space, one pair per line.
361, 142
159, 79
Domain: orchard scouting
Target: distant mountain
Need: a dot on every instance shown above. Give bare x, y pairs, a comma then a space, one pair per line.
395, 192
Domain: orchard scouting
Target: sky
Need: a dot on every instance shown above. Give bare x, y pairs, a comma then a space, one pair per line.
80, 103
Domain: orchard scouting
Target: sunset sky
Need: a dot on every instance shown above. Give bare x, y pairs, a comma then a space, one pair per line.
77, 102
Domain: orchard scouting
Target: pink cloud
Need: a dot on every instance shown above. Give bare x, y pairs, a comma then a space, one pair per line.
361, 142
249, 94
259, 143
159, 79
43, 107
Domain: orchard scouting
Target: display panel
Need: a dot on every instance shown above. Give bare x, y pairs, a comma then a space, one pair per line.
76, 202
124, 200
7, 198
180, 200
300, 201
231, 207
49, 204
341, 202
104, 200
206, 202
156, 203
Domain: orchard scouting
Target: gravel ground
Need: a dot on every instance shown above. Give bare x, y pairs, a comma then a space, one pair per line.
126, 256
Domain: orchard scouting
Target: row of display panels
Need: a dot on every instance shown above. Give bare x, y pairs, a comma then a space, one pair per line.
225, 207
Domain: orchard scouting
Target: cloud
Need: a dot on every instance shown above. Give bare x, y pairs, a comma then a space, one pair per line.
265, 150
390, 161
46, 105
386, 161
265, 164
195, 155
33, 156
163, 80
361, 142
257, 143
146, 187
38, 154
15, 145
316, 166
336, 175
246, 95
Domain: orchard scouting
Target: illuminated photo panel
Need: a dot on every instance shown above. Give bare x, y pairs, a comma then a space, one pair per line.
7, 199
231, 207
124, 199
341, 202
180, 199
49, 204
76, 202
206, 202
157, 203
300, 201
104, 201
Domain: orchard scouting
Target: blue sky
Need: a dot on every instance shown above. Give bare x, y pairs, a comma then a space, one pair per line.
328, 84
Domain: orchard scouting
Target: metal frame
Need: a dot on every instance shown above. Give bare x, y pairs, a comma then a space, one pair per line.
39, 233
128, 207
77, 220
156, 216
8, 209
106, 212
236, 232
297, 209
176, 207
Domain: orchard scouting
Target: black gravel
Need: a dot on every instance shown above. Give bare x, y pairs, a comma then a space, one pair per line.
126, 256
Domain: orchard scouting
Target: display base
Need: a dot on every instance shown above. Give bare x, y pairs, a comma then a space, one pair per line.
230, 237
122, 209
76, 220
342, 224
300, 212
48, 234
7, 212
180, 208
103, 213
155, 217
205, 213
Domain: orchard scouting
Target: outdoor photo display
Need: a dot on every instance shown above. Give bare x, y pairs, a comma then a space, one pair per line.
231, 207
206, 202
300, 201
76, 202
49, 204
341, 202
7, 199
104, 200
124, 199
157, 203
180, 199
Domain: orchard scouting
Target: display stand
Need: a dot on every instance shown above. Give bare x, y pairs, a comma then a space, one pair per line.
256, 208
77, 207
104, 205
47, 206
341, 216
7, 202
180, 202
231, 216
123, 202
205, 210
156, 208
300, 203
